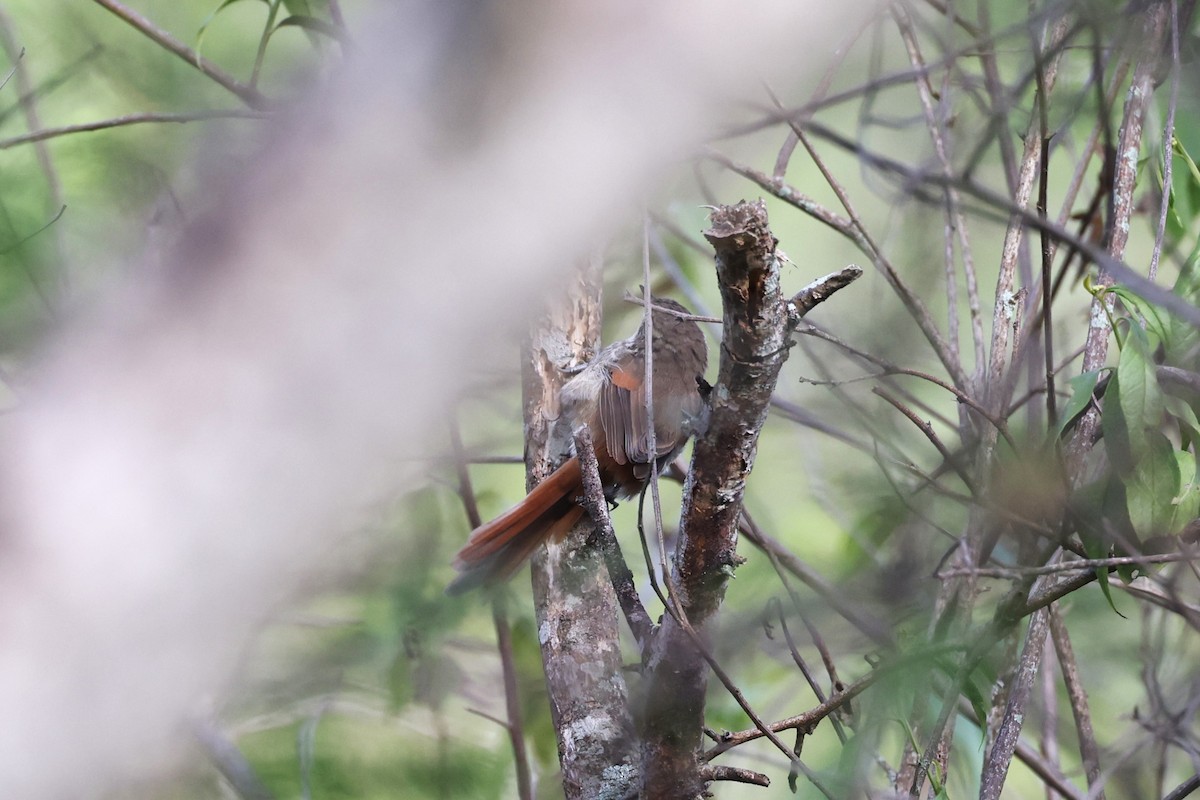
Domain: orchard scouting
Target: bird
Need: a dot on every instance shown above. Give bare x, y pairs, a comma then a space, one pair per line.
608, 396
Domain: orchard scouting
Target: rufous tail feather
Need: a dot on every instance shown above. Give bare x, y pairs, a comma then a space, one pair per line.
498, 548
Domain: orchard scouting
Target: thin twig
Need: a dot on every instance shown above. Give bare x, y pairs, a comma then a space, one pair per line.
128, 119
914, 305
597, 507
927, 429
802, 665
1168, 143
1184, 789
807, 720
1088, 749
512, 700
996, 201
955, 220
1006, 288
512, 697
29, 107
789, 194
893, 369
874, 628
720, 772
1050, 720
1067, 566
819, 291
1047, 243
1049, 773
247, 94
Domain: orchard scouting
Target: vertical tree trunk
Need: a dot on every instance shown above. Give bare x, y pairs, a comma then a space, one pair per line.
574, 601
754, 349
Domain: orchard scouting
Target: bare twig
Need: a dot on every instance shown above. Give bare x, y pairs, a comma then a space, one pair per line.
819, 291
42, 134
789, 194
955, 220
916, 308
1088, 749
29, 106
1067, 566
807, 720
1184, 789
1168, 151
1050, 774
719, 772
247, 94
1006, 288
927, 429
874, 628
1049, 705
512, 700
996, 201
597, 508
892, 369
798, 659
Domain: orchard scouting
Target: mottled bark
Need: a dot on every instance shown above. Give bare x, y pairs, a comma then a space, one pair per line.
574, 601
1125, 173
754, 349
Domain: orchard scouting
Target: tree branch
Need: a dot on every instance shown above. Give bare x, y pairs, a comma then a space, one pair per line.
574, 601
597, 507
753, 351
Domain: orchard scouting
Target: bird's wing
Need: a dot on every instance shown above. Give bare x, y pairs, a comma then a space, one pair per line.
624, 419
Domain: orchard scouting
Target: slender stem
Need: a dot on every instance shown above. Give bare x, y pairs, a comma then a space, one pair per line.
1088, 749
512, 699
1168, 149
247, 94
261, 52
129, 119
29, 107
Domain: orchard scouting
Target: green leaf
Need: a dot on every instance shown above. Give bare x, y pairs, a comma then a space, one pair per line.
1187, 501
1140, 396
1182, 341
976, 698
315, 25
209, 20
1152, 317
1099, 508
1183, 198
1081, 394
1184, 417
1115, 428
1154, 487
1093, 548
305, 7
1187, 182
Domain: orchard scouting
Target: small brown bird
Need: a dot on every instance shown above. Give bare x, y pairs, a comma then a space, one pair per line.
608, 396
